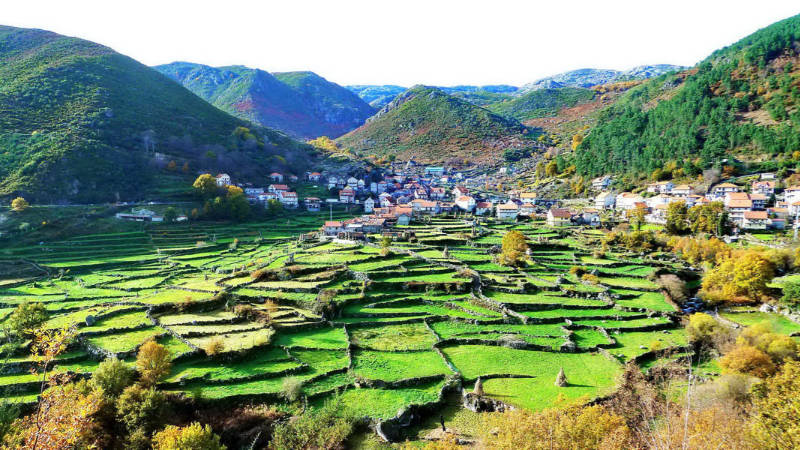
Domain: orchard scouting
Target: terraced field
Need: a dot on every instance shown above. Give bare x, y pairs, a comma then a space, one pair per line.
387, 331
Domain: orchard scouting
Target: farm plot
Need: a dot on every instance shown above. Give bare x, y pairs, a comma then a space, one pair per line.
242, 319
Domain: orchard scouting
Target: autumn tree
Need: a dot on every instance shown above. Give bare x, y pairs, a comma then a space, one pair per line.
636, 217
194, 436
740, 277
112, 377
153, 362
206, 186
677, 216
551, 169
748, 360
19, 204
710, 218
141, 408
25, 317
514, 248
776, 402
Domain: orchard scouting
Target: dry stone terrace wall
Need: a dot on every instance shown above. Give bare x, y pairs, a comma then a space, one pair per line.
386, 332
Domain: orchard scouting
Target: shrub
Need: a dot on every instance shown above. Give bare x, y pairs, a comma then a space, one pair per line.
749, 360
112, 376
214, 346
19, 204
26, 317
291, 388
577, 271
326, 427
776, 403
194, 436
153, 362
791, 293
704, 329
140, 407
590, 278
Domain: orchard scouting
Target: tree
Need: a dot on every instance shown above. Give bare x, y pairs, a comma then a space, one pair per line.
153, 362
237, 204
514, 249
172, 166
702, 328
325, 427
677, 218
206, 186
551, 169
170, 214
19, 204
185, 168
25, 317
710, 218
791, 293
112, 376
636, 217
776, 402
740, 277
141, 408
274, 207
192, 437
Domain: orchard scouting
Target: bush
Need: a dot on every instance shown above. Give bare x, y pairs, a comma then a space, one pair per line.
26, 317
112, 376
590, 278
577, 271
19, 204
791, 294
192, 437
326, 427
704, 329
747, 360
291, 389
214, 346
140, 407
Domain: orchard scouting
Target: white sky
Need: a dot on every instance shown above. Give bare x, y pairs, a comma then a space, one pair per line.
406, 42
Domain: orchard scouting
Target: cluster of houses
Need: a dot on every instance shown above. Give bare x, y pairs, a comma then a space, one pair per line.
747, 210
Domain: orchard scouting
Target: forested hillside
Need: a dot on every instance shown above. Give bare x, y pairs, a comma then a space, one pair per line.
428, 125
743, 100
80, 122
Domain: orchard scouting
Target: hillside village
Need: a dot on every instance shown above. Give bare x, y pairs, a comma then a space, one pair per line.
398, 195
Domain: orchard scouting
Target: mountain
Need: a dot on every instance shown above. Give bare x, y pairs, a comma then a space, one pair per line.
81, 122
541, 102
301, 104
742, 100
426, 124
380, 96
376, 96
586, 78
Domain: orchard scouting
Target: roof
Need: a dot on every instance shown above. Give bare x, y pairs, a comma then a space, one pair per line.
315, 174
726, 185
682, 187
764, 183
219, 175
424, 203
280, 187
289, 194
755, 215
465, 198
484, 205
758, 197
275, 174
561, 213
793, 188
333, 223
740, 204
312, 199
527, 195
347, 191
738, 196
508, 206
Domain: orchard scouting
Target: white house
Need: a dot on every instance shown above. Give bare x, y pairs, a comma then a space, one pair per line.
662, 187
466, 202
722, 189
508, 210
253, 190
312, 203
528, 198
223, 179
755, 220
275, 177
347, 195
352, 182
275, 188
763, 187
288, 199
333, 227
314, 176
660, 199
482, 208
369, 205
605, 200
601, 183
590, 217
628, 200
332, 182
791, 195
559, 217
385, 199
682, 190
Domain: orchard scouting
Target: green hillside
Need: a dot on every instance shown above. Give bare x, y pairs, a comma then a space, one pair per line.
428, 125
301, 104
743, 100
80, 122
541, 102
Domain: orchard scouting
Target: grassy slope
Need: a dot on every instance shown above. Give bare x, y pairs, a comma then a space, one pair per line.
428, 125
73, 116
541, 102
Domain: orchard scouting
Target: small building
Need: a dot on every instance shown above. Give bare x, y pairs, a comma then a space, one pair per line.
421, 206
314, 176
347, 195
288, 199
223, 179
438, 193
352, 182
589, 217
662, 187
369, 205
434, 171
682, 190
508, 211
763, 187
459, 191
628, 200
253, 190
293, 178
482, 208
140, 215
605, 200
313, 204
333, 228
722, 189
528, 198
755, 220
601, 183
559, 217
465, 203
275, 177
385, 199
276, 188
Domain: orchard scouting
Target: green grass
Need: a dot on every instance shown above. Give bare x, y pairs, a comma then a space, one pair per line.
393, 366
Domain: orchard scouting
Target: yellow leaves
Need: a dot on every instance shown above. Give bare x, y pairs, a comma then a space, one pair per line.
194, 436
19, 204
740, 276
47, 344
577, 138
153, 362
514, 248
776, 404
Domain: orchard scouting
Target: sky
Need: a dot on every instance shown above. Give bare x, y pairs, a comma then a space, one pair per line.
435, 42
